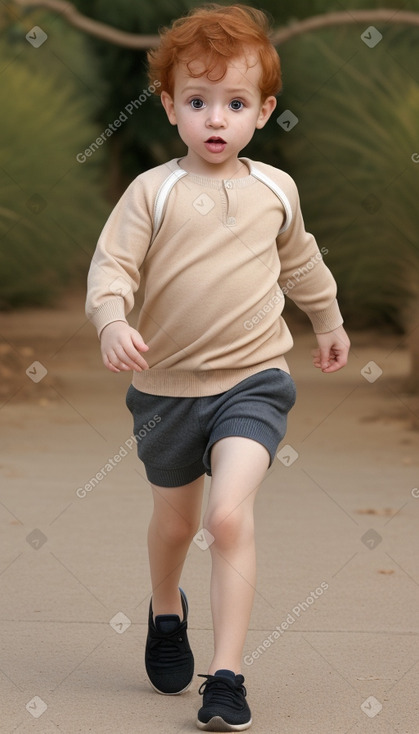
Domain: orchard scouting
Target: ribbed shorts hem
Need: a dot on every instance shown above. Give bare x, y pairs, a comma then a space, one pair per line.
174, 477
245, 428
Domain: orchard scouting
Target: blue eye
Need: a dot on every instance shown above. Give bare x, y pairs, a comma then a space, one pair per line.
236, 105
197, 104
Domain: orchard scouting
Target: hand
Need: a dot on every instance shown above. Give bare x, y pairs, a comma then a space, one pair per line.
332, 353
121, 345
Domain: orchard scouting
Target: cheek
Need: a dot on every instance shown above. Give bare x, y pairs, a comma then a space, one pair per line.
247, 124
189, 126
187, 130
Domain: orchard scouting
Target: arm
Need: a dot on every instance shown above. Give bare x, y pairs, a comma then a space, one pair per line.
114, 278
309, 283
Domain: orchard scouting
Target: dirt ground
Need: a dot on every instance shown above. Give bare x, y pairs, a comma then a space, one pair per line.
344, 508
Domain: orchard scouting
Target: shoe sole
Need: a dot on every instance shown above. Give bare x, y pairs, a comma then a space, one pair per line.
217, 723
164, 693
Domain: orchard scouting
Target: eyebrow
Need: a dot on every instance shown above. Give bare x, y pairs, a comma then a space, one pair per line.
197, 88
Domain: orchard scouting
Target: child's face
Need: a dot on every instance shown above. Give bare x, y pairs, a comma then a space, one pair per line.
217, 119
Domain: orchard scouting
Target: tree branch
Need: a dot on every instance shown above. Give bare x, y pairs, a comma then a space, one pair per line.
91, 26
280, 36
344, 18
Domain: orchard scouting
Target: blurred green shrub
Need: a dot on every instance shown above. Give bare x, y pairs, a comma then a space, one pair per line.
52, 207
351, 155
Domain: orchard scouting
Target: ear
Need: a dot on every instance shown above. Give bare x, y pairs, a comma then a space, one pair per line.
266, 110
169, 106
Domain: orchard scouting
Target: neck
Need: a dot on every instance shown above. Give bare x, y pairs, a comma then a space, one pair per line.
231, 169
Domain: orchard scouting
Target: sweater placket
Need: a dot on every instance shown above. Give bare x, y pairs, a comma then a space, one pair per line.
229, 203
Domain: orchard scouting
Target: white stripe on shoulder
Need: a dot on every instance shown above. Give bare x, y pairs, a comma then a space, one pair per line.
162, 196
279, 193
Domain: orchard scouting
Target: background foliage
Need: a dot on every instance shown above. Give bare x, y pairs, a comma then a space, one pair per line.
51, 206
351, 154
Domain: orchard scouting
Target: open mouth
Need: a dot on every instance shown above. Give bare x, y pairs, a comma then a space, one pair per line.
215, 144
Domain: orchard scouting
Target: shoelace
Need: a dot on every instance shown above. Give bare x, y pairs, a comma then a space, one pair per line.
168, 647
221, 691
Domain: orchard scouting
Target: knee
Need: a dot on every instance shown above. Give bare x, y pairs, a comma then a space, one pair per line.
229, 527
177, 531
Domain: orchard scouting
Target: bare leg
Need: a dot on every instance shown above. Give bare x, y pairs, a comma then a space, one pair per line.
175, 520
238, 467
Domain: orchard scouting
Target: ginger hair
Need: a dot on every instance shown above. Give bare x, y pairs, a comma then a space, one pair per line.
216, 34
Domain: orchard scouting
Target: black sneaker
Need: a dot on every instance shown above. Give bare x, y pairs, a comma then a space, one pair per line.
225, 707
168, 657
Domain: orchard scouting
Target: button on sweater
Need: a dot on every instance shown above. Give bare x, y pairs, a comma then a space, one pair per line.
217, 257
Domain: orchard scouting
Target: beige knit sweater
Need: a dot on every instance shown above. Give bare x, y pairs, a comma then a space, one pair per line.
222, 256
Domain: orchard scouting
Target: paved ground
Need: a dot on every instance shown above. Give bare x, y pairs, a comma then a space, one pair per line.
333, 646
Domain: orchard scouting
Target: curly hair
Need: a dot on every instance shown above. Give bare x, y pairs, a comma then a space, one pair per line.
217, 34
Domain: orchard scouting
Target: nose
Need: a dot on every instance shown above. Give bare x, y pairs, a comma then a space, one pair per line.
215, 116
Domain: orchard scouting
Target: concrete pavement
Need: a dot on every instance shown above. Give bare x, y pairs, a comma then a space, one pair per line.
333, 646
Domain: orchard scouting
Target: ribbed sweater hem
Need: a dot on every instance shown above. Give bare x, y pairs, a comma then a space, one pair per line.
195, 383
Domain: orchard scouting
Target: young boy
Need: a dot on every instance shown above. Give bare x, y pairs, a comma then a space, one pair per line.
215, 237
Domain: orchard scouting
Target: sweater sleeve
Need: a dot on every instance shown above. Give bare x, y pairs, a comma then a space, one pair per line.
114, 276
304, 276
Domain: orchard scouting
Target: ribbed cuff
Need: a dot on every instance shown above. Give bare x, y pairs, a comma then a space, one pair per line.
111, 310
327, 320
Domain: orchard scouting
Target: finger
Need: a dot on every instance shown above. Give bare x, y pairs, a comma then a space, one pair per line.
129, 361
339, 361
316, 357
136, 363
117, 362
138, 342
108, 364
333, 367
324, 358
342, 359
132, 353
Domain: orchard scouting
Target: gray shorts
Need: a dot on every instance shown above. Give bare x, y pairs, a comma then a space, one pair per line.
175, 435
